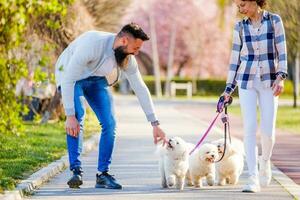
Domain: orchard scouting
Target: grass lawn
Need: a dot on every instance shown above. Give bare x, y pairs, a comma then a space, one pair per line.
39, 145
288, 118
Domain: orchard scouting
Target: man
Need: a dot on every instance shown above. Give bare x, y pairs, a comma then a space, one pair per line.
80, 73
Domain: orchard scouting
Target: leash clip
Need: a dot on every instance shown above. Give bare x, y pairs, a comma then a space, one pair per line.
224, 118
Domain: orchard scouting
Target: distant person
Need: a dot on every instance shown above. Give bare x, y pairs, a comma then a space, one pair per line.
25, 89
81, 72
258, 66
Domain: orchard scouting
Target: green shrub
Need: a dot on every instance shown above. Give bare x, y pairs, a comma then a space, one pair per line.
16, 17
205, 87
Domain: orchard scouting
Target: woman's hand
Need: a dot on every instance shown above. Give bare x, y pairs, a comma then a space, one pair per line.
278, 86
226, 96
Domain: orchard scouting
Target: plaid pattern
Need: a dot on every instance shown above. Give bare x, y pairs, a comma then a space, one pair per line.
257, 49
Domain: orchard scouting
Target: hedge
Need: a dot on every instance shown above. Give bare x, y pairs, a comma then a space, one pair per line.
205, 87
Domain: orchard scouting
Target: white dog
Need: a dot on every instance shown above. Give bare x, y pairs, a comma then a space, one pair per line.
201, 164
173, 162
231, 166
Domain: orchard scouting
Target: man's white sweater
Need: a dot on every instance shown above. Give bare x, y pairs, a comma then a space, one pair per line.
92, 54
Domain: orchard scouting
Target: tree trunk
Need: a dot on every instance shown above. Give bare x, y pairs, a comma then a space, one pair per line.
155, 56
296, 80
170, 60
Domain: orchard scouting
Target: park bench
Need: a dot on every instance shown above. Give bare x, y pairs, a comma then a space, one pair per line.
188, 86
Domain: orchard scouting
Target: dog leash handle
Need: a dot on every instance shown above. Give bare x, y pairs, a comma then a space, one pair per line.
223, 104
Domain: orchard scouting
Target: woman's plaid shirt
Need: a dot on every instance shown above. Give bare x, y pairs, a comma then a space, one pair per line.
257, 49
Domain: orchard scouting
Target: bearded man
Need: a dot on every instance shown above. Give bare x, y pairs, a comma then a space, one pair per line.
81, 73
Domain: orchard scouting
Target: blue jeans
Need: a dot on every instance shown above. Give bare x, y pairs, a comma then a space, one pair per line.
95, 90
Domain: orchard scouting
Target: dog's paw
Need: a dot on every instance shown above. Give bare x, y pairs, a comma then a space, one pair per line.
221, 183
171, 181
164, 185
171, 184
189, 184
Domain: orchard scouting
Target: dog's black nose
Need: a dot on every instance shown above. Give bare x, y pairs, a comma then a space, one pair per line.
170, 140
213, 156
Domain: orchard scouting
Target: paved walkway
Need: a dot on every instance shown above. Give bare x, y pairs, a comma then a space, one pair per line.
135, 164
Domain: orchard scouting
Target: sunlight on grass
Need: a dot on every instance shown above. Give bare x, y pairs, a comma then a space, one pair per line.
39, 145
288, 118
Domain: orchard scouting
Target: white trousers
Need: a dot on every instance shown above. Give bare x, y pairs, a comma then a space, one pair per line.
249, 99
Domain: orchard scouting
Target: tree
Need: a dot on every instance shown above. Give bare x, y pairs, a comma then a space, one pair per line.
199, 46
155, 56
290, 14
16, 16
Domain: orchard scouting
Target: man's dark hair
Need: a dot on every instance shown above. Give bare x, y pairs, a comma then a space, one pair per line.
135, 31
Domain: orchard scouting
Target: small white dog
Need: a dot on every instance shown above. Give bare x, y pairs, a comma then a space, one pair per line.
201, 164
173, 162
231, 166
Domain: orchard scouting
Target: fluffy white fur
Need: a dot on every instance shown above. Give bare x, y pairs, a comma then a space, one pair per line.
173, 162
201, 165
231, 166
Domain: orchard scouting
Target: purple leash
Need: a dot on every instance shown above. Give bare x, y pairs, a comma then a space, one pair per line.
205, 134
220, 106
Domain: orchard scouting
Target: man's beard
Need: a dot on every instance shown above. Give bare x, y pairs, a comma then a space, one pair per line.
121, 56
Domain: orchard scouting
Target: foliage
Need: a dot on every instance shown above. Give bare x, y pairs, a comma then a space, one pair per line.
290, 14
107, 13
209, 87
204, 86
16, 16
201, 47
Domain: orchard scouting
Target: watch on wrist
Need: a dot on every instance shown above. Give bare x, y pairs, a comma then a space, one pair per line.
155, 123
282, 75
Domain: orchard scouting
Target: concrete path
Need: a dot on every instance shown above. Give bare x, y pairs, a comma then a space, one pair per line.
135, 164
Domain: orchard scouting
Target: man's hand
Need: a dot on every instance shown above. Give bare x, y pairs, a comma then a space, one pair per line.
278, 86
72, 126
158, 135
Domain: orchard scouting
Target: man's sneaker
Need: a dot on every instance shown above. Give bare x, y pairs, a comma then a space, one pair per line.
76, 180
105, 180
265, 173
252, 186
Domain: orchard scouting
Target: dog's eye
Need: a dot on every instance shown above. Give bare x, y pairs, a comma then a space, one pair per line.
177, 142
207, 152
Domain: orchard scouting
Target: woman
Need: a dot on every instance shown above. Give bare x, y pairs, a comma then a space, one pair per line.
258, 67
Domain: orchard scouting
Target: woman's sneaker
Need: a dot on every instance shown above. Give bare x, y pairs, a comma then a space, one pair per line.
105, 180
252, 186
76, 180
265, 173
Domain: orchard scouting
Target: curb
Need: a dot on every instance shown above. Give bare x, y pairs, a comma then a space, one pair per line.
27, 187
286, 182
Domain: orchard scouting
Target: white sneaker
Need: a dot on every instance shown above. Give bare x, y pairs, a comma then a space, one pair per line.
252, 186
265, 172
